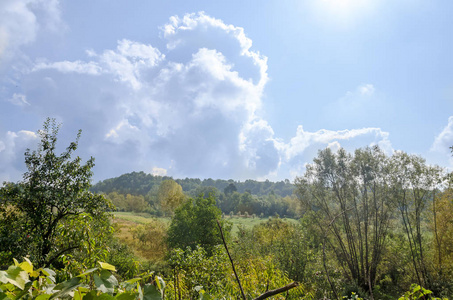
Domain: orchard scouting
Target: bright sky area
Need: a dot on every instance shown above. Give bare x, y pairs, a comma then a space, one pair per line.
225, 89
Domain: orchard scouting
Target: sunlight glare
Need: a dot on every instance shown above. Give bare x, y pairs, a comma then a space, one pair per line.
343, 11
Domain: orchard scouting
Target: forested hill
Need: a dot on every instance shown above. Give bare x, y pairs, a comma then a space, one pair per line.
140, 183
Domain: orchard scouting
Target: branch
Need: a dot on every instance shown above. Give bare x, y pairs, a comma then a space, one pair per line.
277, 291
231, 260
58, 255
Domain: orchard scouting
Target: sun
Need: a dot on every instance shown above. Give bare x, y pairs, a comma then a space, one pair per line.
342, 12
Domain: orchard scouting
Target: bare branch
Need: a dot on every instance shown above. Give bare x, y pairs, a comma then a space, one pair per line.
277, 291
231, 260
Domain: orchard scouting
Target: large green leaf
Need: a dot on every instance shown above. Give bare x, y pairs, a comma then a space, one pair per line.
49, 273
17, 276
89, 271
24, 291
27, 266
3, 277
107, 266
66, 287
106, 282
150, 292
126, 296
43, 297
160, 282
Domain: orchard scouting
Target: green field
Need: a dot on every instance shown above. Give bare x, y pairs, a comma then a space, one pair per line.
236, 221
141, 218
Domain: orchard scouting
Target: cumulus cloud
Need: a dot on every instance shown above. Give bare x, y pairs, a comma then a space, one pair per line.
156, 171
305, 145
304, 139
12, 147
20, 21
192, 109
444, 140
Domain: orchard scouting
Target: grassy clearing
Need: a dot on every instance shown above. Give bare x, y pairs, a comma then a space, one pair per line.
141, 218
249, 223
152, 247
236, 221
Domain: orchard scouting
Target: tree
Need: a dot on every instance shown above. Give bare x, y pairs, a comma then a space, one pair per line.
350, 196
170, 196
231, 188
53, 192
194, 223
415, 186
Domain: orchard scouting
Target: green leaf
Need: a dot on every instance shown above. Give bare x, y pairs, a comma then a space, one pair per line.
50, 274
89, 271
160, 283
66, 287
27, 265
17, 276
126, 296
3, 296
107, 266
90, 295
106, 282
104, 297
140, 292
25, 291
150, 292
43, 297
3, 277
131, 284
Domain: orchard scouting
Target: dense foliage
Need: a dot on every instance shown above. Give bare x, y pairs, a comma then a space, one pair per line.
377, 218
371, 226
195, 224
45, 215
140, 183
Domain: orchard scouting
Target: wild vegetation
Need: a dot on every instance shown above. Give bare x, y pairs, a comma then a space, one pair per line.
365, 225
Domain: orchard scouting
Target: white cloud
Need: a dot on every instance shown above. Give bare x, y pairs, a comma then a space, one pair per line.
366, 89
129, 61
304, 146
126, 63
20, 21
19, 100
159, 171
12, 147
360, 98
304, 139
444, 140
193, 109
179, 33
78, 66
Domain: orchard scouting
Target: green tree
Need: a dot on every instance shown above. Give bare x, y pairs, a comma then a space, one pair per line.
351, 198
416, 185
53, 191
231, 188
170, 196
195, 223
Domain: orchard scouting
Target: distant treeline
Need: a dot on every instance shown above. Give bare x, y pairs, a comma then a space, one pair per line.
160, 195
140, 183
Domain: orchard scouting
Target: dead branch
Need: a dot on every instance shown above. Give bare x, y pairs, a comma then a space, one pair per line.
277, 291
231, 260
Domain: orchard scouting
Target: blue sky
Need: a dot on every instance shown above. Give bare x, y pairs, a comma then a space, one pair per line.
232, 89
